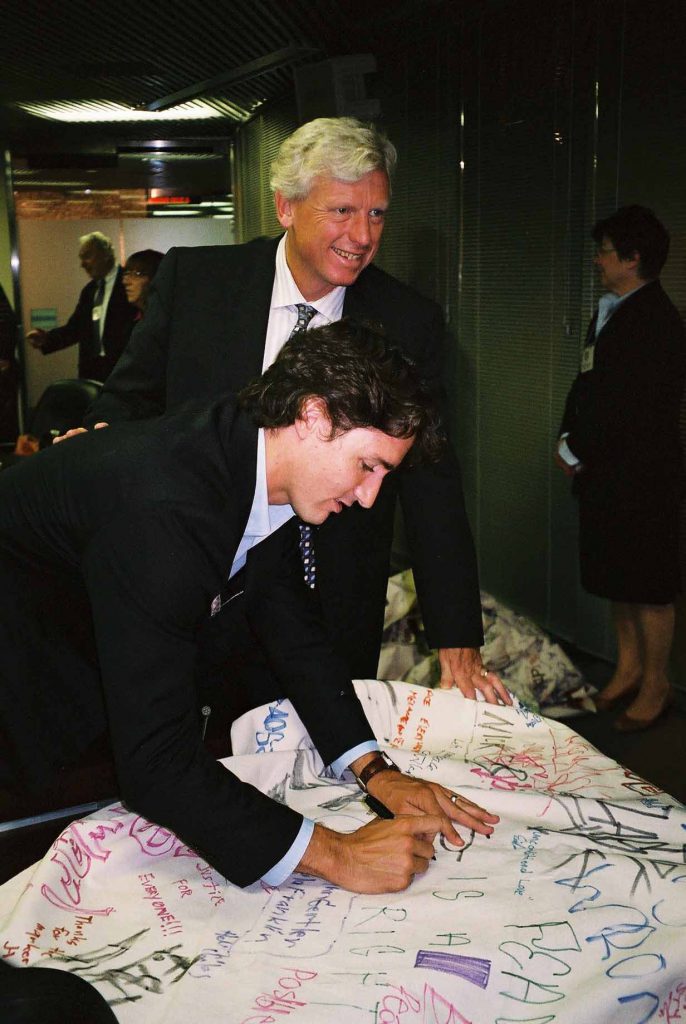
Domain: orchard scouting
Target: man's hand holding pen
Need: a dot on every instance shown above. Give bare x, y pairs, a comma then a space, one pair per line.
387, 853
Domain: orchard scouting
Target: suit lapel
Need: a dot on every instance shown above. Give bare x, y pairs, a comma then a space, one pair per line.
356, 304
247, 302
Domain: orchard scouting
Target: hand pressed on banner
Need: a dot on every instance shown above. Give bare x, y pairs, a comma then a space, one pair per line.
462, 667
382, 856
402, 794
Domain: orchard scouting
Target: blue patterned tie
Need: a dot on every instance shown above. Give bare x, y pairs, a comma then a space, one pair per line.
307, 553
305, 314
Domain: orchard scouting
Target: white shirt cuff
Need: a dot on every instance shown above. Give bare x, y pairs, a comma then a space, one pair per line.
290, 860
566, 453
341, 763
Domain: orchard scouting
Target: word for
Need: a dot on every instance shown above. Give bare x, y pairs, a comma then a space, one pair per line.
77, 935
183, 887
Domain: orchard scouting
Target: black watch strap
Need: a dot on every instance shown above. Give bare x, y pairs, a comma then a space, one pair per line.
381, 763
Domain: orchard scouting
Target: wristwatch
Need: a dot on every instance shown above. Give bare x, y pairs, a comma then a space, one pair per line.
381, 763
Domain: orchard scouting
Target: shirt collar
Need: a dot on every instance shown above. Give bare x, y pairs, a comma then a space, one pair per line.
611, 301
264, 518
287, 293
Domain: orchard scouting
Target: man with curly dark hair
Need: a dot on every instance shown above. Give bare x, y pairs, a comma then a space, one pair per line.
126, 557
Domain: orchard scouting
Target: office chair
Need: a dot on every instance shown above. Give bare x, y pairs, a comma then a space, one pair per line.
62, 406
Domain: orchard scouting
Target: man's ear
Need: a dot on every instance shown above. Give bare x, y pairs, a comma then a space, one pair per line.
312, 418
284, 210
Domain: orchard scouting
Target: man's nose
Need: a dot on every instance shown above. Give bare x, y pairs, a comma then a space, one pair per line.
359, 229
367, 491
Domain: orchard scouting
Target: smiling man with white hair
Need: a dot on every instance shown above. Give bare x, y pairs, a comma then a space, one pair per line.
219, 315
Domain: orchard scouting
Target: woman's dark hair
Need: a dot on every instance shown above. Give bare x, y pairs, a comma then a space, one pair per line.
364, 380
147, 261
636, 229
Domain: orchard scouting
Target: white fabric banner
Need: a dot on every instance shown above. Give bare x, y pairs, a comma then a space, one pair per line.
574, 912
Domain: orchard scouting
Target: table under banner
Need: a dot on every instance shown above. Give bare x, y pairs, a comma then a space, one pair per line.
573, 912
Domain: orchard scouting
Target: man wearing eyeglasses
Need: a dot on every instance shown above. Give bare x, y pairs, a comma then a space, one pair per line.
103, 319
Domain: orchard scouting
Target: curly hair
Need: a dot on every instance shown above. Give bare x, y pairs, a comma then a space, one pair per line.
364, 380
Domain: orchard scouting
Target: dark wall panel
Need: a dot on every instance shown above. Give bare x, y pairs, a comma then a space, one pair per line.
517, 125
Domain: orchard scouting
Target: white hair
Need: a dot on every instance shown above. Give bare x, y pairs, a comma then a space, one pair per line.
340, 147
98, 239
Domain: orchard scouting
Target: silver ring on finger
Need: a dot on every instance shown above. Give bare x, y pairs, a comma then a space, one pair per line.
454, 798
483, 673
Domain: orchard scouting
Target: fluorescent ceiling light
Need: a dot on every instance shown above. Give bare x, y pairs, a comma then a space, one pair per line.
167, 212
104, 111
46, 183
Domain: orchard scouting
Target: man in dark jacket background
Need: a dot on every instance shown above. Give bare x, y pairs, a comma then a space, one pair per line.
103, 319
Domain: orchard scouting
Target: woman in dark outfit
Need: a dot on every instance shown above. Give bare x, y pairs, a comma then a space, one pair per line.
620, 442
137, 276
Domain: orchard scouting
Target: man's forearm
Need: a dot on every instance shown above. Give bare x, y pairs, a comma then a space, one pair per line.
383, 856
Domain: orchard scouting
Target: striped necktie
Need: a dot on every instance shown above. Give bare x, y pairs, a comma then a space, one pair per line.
305, 314
97, 326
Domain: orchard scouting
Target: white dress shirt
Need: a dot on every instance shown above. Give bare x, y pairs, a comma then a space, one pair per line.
264, 518
283, 315
607, 305
109, 280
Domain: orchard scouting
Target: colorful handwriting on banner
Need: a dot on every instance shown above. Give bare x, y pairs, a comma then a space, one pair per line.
402, 1006
471, 968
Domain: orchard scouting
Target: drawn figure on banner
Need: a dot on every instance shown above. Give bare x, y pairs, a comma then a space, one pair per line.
75, 852
151, 973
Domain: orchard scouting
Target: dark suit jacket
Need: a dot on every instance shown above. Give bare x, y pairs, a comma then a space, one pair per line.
145, 519
78, 330
623, 415
204, 330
